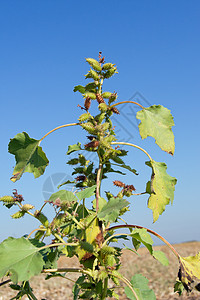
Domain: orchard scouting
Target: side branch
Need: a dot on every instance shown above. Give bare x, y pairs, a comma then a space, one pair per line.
133, 145
59, 127
98, 185
122, 102
150, 231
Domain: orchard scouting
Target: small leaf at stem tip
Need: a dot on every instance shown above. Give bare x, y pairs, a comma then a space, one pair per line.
28, 155
161, 188
72, 148
157, 121
80, 89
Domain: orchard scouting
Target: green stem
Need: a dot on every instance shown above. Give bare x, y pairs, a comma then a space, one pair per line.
98, 182
148, 230
66, 270
133, 145
105, 288
59, 127
37, 229
57, 244
122, 102
116, 234
127, 282
59, 238
42, 207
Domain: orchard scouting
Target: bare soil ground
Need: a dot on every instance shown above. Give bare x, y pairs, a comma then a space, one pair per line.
161, 279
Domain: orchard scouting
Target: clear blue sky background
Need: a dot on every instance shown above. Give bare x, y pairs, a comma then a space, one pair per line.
155, 45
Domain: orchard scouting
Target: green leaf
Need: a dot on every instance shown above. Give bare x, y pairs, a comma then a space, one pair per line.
142, 236
102, 203
161, 257
111, 210
157, 121
140, 286
72, 148
86, 193
28, 155
21, 258
64, 197
79, 88
161, 188
189, 270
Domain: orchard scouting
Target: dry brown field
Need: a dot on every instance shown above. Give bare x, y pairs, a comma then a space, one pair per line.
161, 279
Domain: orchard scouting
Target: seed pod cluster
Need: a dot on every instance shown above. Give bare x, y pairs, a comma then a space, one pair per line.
115, 110
81, 178
87, 103
93, 144
17, 197
118, 183
100, 98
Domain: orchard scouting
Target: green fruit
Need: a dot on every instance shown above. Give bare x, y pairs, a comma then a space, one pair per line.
7, 199
92, 74
107, 66
90, 95
94, 63
27, 207
106, 95
84, 117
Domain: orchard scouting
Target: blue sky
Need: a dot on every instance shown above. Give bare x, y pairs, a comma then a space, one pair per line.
155, 45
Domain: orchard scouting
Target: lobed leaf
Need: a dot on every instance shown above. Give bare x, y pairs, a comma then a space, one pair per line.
111, 210
157, 121
140, 286
63, 196
189, 270
20, 258
86, 193
161, 188
28, 155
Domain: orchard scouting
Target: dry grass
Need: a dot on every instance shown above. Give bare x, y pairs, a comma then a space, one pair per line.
161, 279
